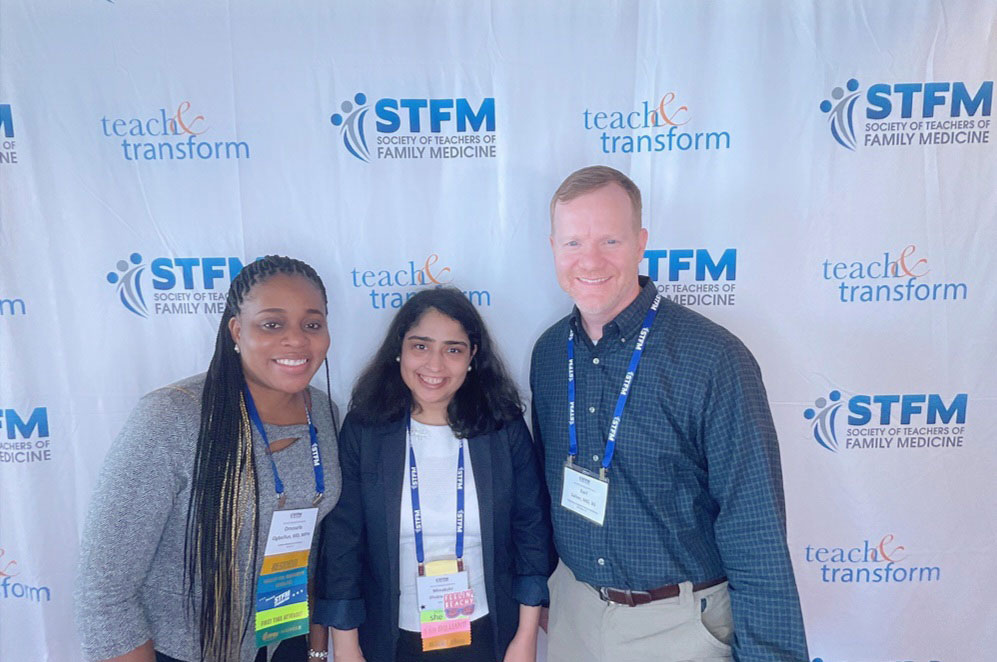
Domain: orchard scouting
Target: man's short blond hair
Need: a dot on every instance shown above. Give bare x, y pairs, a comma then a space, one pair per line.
591, 178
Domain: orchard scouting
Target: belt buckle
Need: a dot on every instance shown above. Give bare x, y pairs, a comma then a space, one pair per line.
627, 594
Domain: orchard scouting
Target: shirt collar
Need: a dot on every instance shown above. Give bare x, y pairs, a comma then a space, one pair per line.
629, 319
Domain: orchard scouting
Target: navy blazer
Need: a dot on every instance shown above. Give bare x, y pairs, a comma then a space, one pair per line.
357, 573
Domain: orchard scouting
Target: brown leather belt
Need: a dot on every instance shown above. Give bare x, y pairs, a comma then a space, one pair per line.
633, 598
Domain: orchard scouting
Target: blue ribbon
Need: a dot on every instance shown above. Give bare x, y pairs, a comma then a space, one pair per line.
254, 415
621, 401
420, 553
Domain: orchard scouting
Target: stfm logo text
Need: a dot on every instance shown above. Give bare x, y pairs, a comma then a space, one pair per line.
181, 285
401, 128
904, 114
8, 148
26, 437
926, 420
693, 277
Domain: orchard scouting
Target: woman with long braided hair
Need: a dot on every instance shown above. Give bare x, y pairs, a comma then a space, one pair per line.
175, 543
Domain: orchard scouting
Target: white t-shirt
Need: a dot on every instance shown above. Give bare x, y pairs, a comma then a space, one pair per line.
436, 459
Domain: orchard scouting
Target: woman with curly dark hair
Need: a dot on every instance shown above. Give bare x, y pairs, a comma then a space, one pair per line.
440, 546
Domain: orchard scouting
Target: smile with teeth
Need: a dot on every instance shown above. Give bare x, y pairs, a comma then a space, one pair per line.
593, 281
432, 381
293, 363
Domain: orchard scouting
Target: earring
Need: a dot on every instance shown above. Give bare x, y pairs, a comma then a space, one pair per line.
236, 349
398, 359
469, 368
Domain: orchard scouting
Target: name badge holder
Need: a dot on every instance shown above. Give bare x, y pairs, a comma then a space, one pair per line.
445, 598
282, 587
584, 492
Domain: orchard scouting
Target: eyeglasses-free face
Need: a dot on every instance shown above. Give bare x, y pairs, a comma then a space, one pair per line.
435, 356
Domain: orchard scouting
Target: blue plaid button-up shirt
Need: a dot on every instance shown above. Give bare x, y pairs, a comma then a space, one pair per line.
695, 484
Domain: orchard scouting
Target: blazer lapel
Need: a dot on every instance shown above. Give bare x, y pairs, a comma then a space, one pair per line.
392, 475
480, 449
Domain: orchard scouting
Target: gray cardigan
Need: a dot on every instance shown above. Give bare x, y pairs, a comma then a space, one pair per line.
130, 583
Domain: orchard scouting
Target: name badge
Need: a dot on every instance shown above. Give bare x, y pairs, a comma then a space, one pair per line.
282, 588
446, 603
584, 493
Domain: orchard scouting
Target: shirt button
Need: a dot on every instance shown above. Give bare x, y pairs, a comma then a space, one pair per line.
591, 410
596, 360
601, 561
595, 458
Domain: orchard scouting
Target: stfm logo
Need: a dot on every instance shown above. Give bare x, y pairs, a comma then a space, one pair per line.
6, 121
680, 274
863, 409
411, 115
8, 154
17, 426
187, 273
26, 437
699, 262
924, 98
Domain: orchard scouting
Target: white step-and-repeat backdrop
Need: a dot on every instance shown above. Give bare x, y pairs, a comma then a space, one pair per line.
818, 177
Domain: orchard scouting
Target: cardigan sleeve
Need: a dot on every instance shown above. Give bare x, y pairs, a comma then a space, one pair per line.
134, 495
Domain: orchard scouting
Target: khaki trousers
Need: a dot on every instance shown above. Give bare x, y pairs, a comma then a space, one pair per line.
693, 627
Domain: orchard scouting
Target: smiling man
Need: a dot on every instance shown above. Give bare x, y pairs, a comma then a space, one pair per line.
661, 459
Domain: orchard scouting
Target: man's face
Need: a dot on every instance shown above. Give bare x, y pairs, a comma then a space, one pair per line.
597, 249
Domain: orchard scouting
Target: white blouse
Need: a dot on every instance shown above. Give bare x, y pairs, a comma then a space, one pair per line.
436, 450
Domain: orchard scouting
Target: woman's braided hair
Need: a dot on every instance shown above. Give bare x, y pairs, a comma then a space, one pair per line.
224, 480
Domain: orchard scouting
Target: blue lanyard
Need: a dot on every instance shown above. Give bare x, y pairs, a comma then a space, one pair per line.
621, 401
316, 454
420, 552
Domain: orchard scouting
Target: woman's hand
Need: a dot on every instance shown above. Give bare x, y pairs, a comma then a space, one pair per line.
352, 656
523, 647
346, 646
318, 636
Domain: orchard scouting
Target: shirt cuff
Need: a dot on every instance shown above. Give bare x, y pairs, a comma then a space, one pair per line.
530, 590
340, 614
